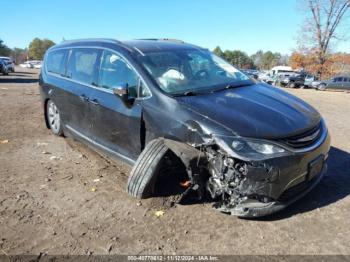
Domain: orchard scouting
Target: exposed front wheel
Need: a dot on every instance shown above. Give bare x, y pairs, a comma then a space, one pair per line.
141, 182
53, 118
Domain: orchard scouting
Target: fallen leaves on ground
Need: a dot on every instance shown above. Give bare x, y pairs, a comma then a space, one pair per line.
159, 213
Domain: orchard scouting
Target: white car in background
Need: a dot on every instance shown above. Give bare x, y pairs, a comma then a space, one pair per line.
31, 64
26, 64
38, 64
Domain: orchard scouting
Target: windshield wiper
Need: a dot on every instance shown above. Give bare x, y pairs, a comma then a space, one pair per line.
187, 93
230, 86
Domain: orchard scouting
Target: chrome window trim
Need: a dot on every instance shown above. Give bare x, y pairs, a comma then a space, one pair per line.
91, 86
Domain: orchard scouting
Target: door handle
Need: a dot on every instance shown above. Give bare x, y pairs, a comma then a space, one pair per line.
83, 97
94, 101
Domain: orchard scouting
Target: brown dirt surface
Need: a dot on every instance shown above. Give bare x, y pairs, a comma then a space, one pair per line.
57, 196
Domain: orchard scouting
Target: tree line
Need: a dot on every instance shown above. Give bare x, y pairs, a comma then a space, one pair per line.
35, 51
260, 60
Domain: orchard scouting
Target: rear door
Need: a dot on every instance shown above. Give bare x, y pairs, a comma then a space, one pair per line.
347, 84
58, 88
82, 72
116, 126
336, 83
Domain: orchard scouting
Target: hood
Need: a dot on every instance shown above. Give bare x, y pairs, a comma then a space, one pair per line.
257, 111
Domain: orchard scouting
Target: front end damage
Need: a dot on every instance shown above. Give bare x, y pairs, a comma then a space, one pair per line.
251, 187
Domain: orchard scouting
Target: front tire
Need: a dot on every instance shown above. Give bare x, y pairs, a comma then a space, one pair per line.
142, 178
53, 118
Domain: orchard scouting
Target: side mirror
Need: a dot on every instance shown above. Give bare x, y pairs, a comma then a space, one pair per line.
122, 91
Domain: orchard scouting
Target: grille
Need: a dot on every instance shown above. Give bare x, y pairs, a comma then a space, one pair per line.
305, 139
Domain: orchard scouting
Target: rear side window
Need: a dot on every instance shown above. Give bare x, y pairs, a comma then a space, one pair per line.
83, 65
56, 61
338, 79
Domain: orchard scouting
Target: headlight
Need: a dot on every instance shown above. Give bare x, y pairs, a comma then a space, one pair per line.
266, 149
240, 145
250, 149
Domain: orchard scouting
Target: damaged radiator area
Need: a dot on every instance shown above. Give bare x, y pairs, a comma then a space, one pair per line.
238, 185
234, 185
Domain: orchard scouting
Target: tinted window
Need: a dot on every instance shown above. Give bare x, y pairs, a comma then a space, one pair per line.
338, 79
55, 62
115, 72
83, 64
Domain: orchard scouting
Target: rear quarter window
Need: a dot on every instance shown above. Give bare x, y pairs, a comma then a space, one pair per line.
56, 61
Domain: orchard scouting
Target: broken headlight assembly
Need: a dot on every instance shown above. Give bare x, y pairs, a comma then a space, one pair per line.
251, 149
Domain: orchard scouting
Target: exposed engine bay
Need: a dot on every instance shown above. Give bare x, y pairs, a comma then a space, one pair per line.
228, 181
240, 188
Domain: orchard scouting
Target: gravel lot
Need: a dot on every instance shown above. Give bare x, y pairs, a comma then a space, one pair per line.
59, 197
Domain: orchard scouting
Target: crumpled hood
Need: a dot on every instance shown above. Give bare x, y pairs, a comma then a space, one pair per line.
257, 111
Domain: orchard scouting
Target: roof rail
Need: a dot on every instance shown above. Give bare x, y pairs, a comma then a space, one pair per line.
108, 40
92, 39
163, 39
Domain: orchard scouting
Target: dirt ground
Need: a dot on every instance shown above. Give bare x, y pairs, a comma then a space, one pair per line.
59, 197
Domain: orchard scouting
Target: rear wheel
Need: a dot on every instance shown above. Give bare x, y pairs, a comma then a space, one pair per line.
54, 119
322, 87
292, 85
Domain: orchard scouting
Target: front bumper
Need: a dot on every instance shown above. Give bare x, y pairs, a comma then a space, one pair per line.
274, 184
258, 209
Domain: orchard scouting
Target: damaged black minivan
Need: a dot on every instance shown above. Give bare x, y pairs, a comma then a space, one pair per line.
187, 121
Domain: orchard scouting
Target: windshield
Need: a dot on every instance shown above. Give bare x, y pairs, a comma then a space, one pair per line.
194, 70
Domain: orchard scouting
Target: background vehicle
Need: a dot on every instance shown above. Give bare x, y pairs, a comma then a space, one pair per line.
338, 82
297, 80
309, 81
37, 64
251, 73
9, 63
276, 75
26, 64
3, 68
278, 70
31, 64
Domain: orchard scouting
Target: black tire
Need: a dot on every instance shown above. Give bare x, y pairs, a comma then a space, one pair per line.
143, 175
56, 127
322, 87
291, 85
